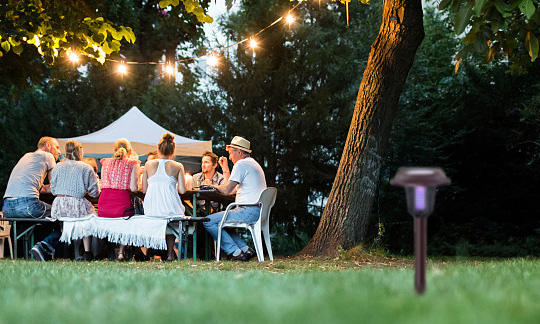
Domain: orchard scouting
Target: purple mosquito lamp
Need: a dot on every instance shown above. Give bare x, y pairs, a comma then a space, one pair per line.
420, 185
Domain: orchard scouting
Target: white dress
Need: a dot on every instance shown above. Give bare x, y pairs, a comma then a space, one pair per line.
162, 197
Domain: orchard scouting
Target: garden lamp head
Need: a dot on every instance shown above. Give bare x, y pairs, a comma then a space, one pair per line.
420, 185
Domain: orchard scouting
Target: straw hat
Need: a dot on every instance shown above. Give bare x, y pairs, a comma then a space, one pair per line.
240, 143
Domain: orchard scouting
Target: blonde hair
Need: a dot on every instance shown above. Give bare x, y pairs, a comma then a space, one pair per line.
122, 147
44, 140
166, 145
92, 162
74, 150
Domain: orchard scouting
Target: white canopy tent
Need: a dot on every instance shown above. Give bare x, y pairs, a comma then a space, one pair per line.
143, 133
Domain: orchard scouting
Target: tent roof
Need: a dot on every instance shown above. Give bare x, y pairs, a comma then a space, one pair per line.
143, 133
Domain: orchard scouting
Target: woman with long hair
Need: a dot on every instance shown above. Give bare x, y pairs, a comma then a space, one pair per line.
163, 179
70, 181
119, 176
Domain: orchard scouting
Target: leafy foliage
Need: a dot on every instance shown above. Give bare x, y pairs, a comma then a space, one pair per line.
57, 26
493, 25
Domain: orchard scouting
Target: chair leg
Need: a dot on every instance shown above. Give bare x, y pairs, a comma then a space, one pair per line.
2, 247
257, 241
10, 248
266, 234
218, 248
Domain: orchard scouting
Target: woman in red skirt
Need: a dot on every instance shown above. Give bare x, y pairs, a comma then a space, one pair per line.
119, 177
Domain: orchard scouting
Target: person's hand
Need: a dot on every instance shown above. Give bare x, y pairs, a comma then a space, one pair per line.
224, 163
45, 189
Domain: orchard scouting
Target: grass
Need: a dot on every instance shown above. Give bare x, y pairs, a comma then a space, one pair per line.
344, 290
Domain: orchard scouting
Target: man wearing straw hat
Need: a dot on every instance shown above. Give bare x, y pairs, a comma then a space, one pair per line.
247, 180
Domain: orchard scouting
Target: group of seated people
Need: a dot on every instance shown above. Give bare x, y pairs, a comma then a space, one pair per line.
161, 180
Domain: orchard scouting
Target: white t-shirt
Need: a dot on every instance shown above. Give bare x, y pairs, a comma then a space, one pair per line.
251, 181
27, 176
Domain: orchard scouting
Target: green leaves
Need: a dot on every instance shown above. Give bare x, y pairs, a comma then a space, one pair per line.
444, 3
527, 8
478, 5
6, 46
54, 28
509, 23
531, 42
192, 6
463, 16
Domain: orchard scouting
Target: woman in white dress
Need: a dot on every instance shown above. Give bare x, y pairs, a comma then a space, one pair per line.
163, 179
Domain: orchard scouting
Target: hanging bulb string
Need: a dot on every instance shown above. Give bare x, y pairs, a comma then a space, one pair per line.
219, 50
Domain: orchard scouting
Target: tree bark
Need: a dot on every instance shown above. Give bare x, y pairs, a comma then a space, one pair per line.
346, 217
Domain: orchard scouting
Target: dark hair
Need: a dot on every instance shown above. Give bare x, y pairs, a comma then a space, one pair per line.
151, 155
212, 156
166, 145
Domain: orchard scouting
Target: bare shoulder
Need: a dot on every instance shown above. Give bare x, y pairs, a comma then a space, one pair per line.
174, 166
151, 165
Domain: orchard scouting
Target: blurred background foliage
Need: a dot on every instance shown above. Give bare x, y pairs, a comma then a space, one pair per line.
293, 99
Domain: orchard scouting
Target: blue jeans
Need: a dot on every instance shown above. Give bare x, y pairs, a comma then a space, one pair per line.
28, 207
230, 241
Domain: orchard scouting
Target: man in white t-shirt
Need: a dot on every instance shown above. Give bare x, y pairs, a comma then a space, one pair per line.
25, 183
247, 180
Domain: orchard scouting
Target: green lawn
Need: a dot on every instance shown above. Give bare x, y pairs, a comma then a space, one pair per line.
286, 291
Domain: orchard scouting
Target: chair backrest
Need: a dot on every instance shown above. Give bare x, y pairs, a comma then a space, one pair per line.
5, 228
267, 199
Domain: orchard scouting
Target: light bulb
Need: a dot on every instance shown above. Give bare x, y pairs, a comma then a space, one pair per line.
212, 60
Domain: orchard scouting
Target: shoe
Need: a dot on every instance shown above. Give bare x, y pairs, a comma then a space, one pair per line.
240, 257
88, 256
38, 253
250, 254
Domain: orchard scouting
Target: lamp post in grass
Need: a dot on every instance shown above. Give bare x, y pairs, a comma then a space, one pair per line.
420, 185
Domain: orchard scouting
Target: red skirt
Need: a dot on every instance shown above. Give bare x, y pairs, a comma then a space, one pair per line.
114, 203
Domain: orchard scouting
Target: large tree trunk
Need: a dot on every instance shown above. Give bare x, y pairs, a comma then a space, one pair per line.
346, 216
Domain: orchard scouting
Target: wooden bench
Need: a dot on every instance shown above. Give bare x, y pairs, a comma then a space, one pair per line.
27, 235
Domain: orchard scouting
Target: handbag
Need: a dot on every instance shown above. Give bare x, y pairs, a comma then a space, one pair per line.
137, 207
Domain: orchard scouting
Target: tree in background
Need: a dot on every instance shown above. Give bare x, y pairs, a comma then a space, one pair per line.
346, 216
292, 98
481, 126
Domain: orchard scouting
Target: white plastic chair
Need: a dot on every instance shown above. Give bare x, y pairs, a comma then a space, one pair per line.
5, 229
266, 201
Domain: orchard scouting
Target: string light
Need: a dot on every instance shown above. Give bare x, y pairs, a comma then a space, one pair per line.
72, 56
289, 19
122, 68
252, 43
212, 60
169, 69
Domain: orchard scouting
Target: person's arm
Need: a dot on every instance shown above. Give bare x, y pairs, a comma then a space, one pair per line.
181, 179
47, 188
224, 163
229, 188
145, 180
93, 188
134, 184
